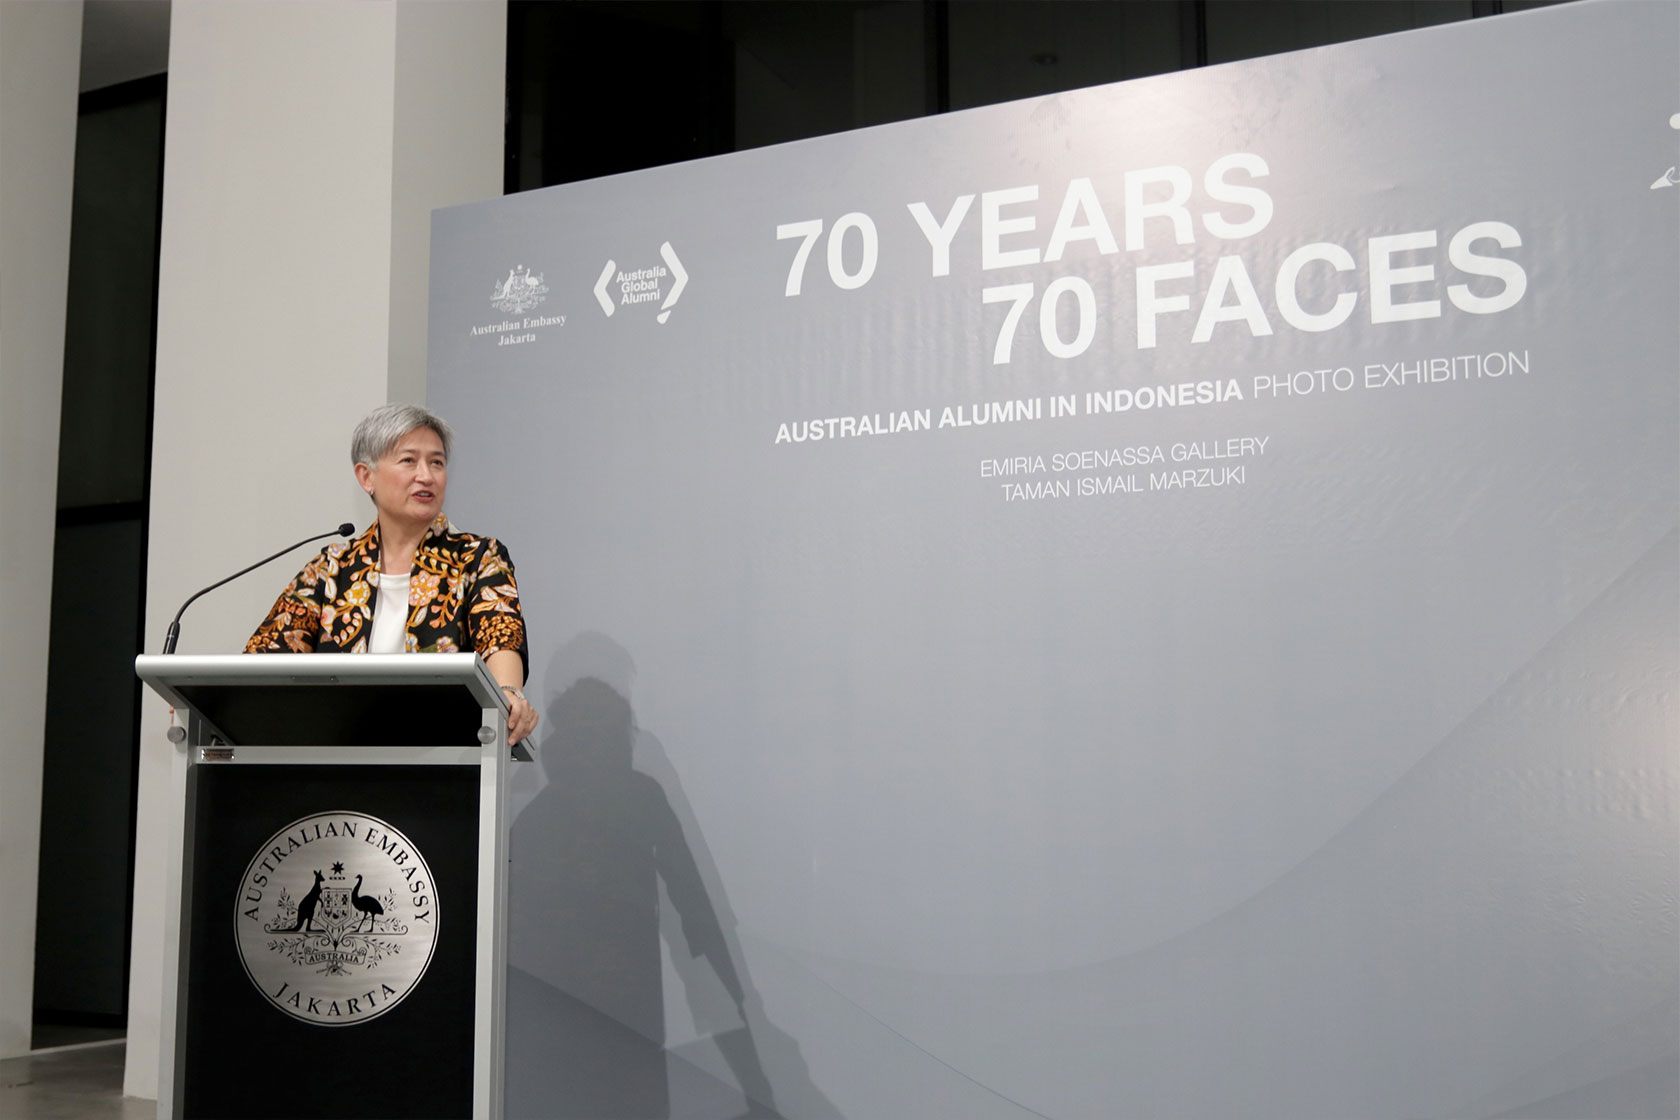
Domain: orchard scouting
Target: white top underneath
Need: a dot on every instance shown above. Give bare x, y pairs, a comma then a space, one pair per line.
390, 615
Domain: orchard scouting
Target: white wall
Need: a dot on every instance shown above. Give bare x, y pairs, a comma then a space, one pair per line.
307, 144
40, 44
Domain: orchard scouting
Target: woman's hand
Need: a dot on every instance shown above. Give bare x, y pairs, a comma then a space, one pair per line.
509, 669
522, 718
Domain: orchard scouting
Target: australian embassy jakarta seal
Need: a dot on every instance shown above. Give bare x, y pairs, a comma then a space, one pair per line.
337, 918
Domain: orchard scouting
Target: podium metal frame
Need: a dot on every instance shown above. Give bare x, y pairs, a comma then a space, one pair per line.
260, 685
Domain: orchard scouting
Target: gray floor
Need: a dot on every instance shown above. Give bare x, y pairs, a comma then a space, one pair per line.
50, 1036
78, 1082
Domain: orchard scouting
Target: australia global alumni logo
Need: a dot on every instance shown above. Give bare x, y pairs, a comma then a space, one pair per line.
660, 284
336, 919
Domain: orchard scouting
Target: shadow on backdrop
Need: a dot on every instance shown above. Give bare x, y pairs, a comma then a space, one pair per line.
607, 859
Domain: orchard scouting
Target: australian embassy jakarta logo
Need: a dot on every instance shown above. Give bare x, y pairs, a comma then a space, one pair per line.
337, 918
519, 292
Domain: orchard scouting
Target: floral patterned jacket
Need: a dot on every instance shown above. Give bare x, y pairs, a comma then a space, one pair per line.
461, 598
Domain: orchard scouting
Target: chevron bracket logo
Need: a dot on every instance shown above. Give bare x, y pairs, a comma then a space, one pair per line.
660, 284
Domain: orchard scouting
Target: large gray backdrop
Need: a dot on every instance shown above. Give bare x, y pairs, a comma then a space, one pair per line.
1298, 744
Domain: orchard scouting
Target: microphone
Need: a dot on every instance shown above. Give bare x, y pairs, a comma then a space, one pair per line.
174, 631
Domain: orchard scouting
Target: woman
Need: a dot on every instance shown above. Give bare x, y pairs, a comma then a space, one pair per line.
412, 583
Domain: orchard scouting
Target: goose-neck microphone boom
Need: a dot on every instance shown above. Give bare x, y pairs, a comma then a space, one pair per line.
174, 631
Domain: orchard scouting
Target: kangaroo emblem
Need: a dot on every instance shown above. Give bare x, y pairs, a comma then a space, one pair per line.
306, 908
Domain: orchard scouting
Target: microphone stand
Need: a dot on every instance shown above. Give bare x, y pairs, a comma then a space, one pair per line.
174, 632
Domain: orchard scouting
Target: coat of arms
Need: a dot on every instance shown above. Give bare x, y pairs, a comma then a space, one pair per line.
337, 918
521, 291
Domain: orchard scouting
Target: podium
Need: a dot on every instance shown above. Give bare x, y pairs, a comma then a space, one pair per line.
335, 942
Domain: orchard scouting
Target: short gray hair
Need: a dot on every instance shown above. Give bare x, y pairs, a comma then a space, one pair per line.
385, 425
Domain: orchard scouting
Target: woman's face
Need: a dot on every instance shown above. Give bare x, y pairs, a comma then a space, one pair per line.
409, 482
